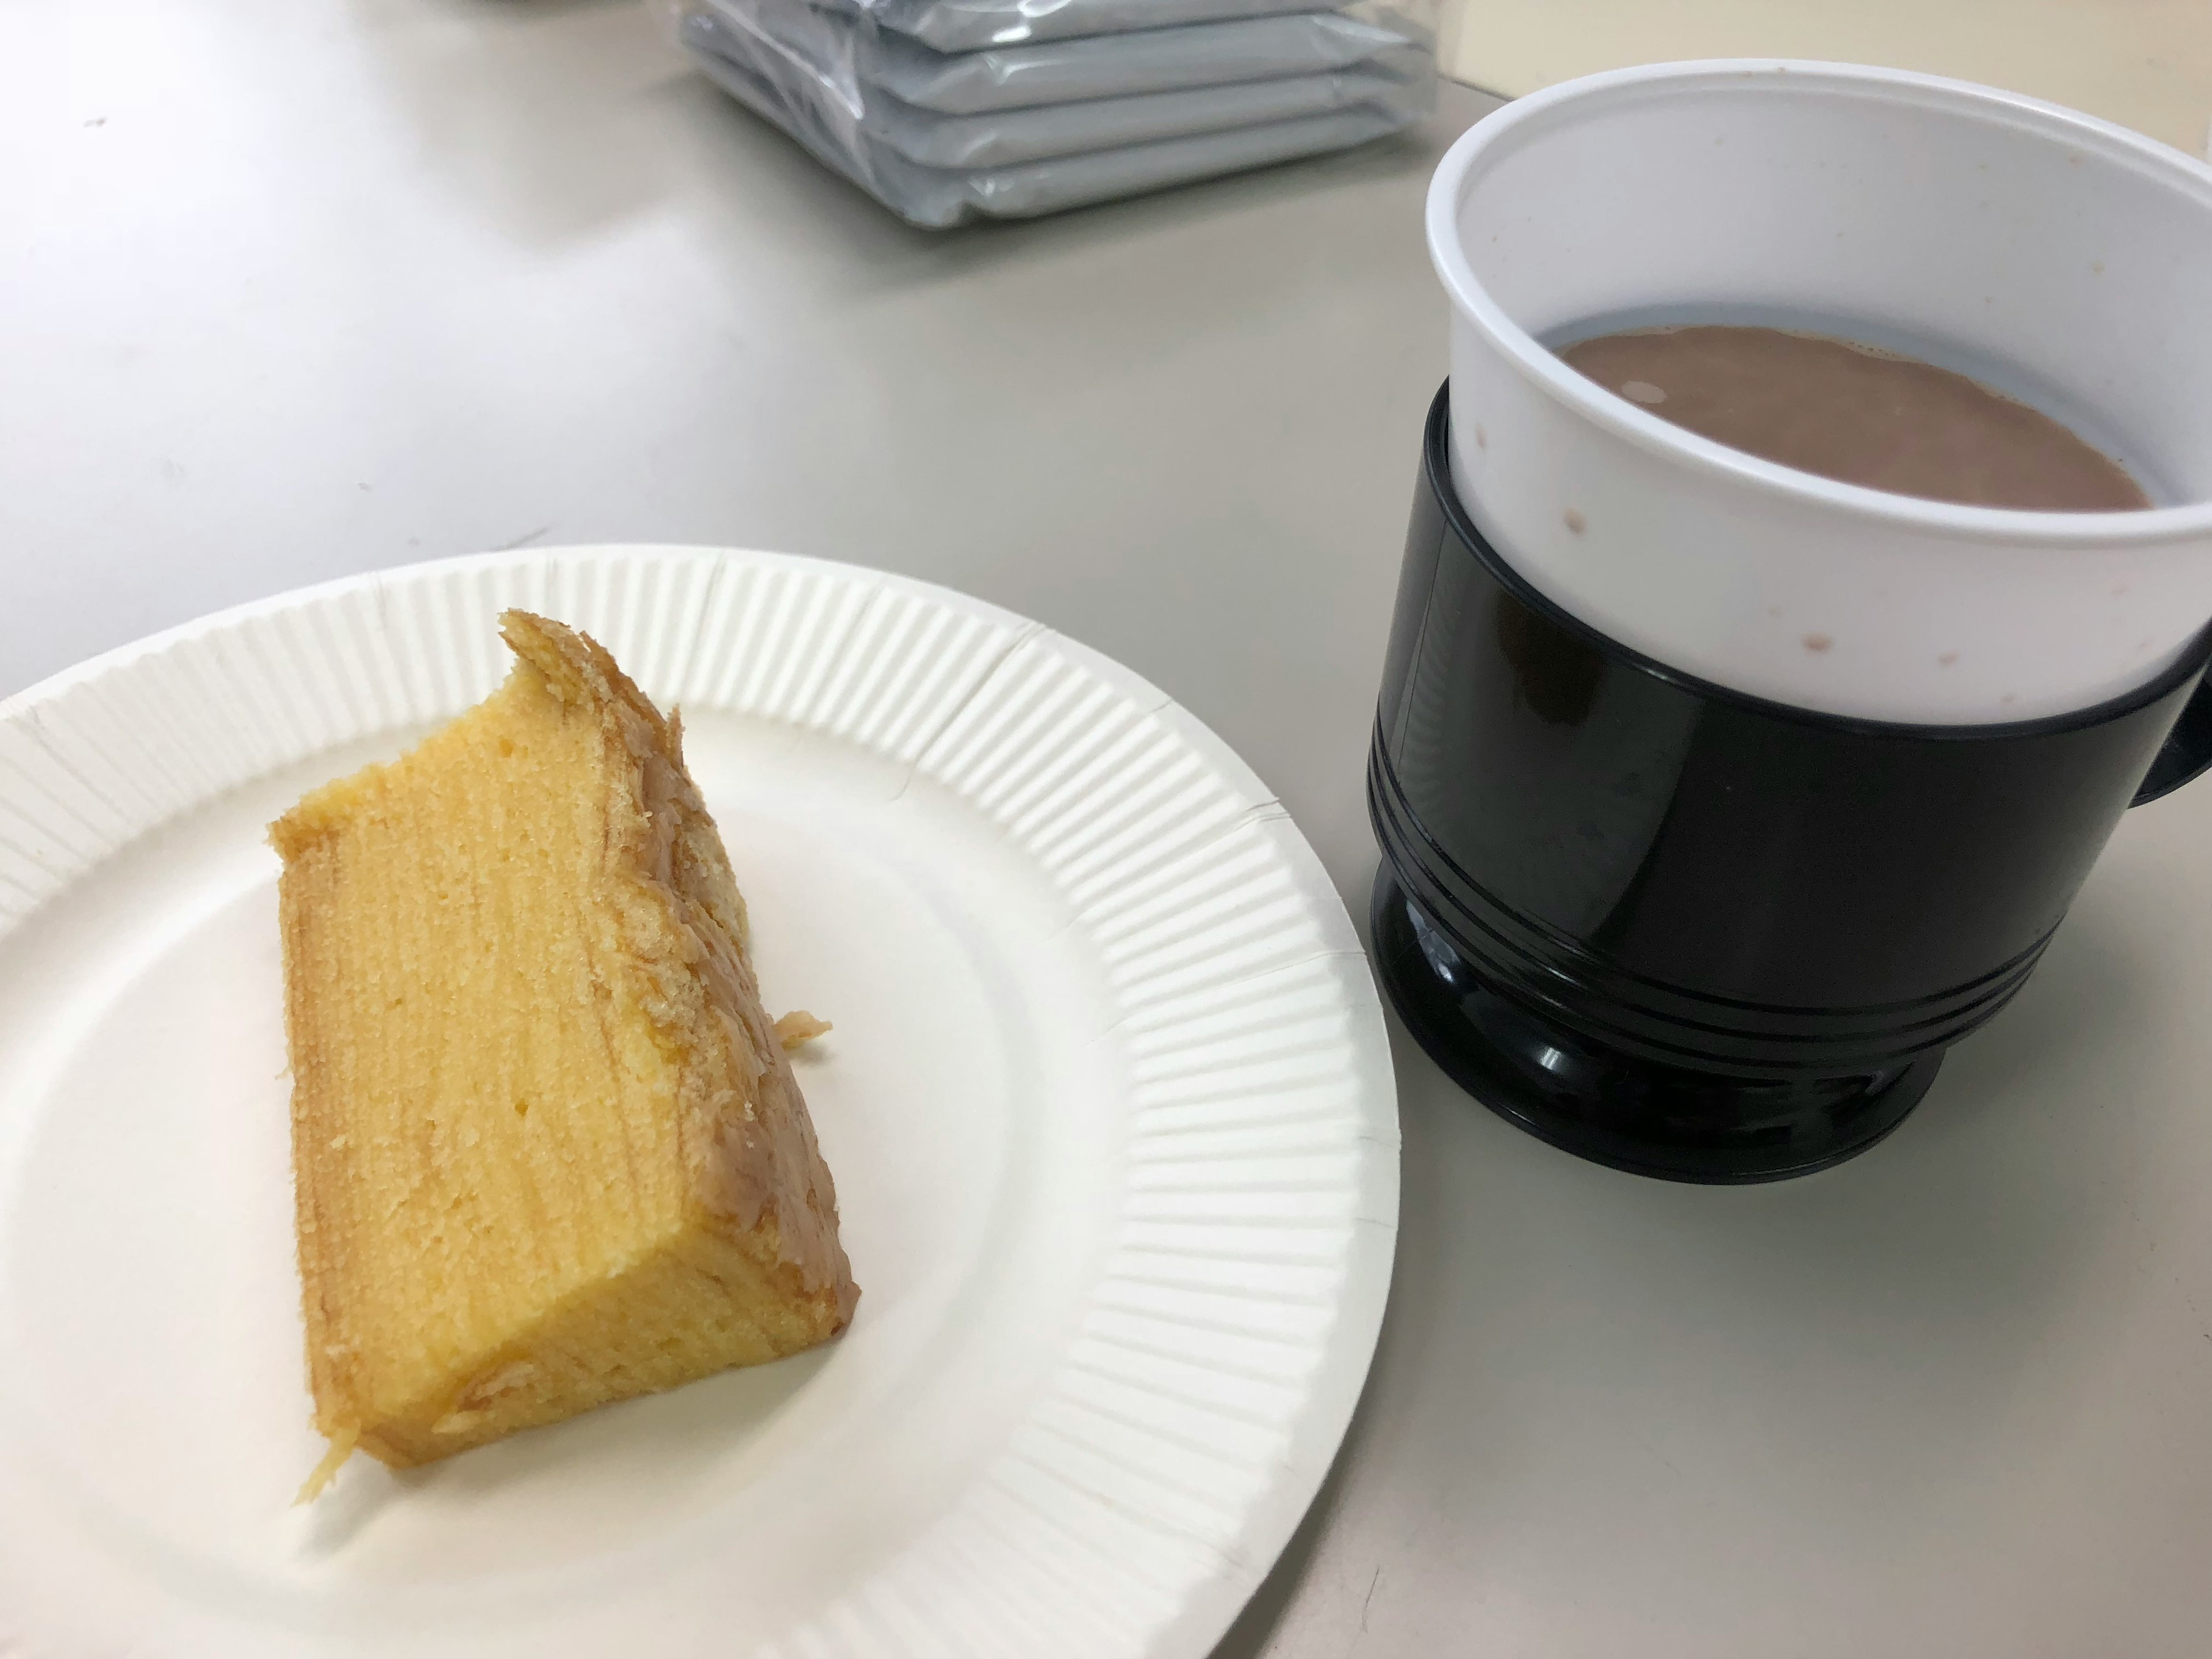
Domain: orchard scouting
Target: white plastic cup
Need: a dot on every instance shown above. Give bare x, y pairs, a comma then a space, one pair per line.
2059, 258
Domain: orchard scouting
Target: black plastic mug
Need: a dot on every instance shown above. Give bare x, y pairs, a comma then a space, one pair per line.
1689, 932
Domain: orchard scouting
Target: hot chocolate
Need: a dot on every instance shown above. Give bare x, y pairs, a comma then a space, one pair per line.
1859, 415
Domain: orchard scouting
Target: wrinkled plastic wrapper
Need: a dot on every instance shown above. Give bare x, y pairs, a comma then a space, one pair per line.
974, 25
1151, 93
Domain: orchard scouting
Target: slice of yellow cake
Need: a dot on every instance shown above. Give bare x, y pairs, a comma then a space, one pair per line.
548, 1152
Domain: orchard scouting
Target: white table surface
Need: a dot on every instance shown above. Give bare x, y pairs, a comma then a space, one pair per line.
291, 289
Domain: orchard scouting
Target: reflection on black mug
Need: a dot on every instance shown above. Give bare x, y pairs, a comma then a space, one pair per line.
1689, 932
1717, 800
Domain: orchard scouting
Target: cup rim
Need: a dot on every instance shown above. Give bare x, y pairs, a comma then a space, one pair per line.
1523, 117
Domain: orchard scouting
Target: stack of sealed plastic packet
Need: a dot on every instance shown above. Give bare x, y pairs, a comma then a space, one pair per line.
944, 110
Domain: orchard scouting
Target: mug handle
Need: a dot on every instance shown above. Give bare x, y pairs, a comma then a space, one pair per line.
2187, 750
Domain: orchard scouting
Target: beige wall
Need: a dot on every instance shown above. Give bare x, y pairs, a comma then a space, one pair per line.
2145, 63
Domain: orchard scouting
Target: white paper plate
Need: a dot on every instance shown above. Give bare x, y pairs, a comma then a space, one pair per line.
1109, 1104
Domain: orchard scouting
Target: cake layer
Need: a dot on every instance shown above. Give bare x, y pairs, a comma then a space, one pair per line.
548, 1150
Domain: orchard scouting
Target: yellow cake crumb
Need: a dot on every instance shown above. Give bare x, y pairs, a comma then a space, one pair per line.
798, 1028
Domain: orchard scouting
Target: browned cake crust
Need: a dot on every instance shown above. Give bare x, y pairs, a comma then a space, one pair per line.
548, 1149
